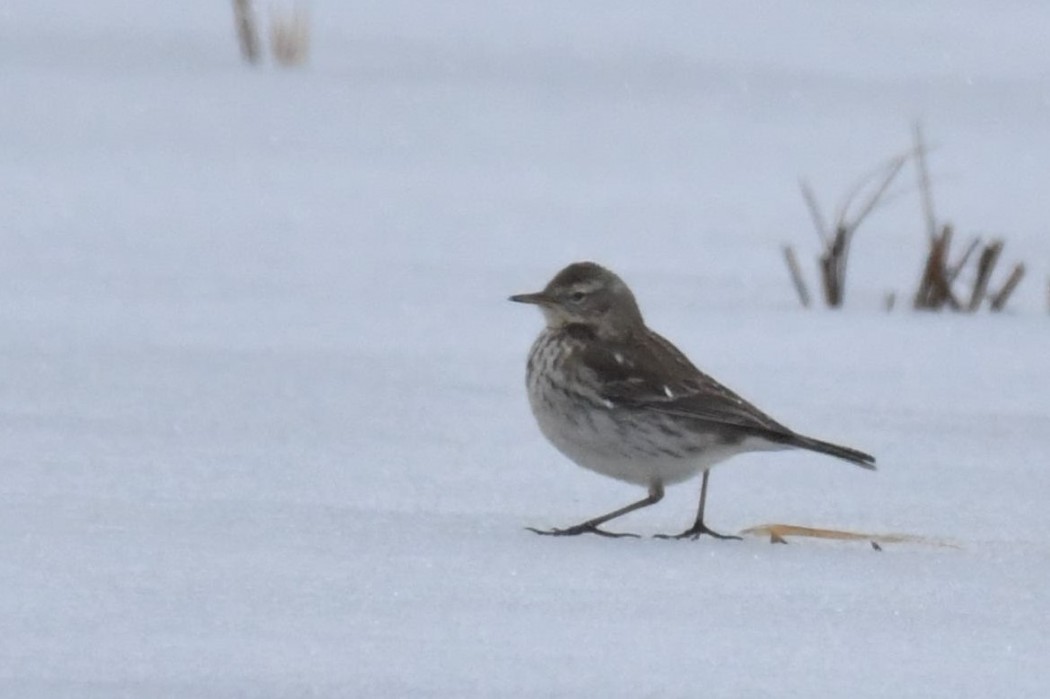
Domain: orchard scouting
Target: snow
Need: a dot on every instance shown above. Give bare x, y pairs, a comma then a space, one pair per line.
264, 428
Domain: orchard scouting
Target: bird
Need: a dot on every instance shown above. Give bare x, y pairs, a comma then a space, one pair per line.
619, 399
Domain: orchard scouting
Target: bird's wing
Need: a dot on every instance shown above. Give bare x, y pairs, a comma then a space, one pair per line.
654, 375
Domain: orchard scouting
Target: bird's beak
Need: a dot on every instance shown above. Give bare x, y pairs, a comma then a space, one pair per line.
538, 299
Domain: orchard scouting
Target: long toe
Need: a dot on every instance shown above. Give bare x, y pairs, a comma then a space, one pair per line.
696, 531
712, 532
581, 529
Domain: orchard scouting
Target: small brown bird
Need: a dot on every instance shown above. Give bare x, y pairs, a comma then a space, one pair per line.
619, 399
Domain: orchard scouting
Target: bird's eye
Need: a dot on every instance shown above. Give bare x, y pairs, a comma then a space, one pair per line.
577, 296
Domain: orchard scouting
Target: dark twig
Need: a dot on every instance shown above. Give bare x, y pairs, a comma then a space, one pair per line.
247, 32
985, 266
814, 211
953, 273
933, 289
889, 173
999, 299
925, 190
796, 276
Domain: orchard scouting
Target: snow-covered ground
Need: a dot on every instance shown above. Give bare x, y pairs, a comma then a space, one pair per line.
263, 429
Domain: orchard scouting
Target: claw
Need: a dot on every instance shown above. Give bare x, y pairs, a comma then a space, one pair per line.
696, 531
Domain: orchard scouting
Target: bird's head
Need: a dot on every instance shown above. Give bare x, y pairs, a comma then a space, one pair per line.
585, 293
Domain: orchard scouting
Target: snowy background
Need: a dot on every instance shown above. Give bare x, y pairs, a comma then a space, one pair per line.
264, 430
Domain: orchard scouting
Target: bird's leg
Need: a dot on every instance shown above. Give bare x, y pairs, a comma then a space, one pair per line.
656, 494
699, 528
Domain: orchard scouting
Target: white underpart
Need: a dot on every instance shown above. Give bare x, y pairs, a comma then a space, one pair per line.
607, 441
594, 444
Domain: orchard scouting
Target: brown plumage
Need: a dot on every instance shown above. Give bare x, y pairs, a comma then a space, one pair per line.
619, 399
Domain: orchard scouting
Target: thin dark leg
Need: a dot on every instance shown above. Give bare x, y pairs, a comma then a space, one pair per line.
656, 494
699, 528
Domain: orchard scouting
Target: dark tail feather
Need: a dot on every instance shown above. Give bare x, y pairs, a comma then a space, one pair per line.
845, 453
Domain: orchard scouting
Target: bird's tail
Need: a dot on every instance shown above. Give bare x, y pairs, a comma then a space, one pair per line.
845, 453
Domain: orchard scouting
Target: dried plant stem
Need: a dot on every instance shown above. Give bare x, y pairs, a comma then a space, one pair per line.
925, 190
999, 299
935, 287
814, 210
833, 266
953, 273
985, 265
796, 275
940, 274
290, 35
247, 30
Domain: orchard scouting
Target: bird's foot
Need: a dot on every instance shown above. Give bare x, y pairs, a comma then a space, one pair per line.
585, 528
696, 531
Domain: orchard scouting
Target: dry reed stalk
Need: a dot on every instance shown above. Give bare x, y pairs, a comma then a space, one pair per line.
290, 35
247, 30
796, 275
999, 299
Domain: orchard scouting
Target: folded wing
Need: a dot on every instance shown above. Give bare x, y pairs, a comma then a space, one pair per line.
654, 375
